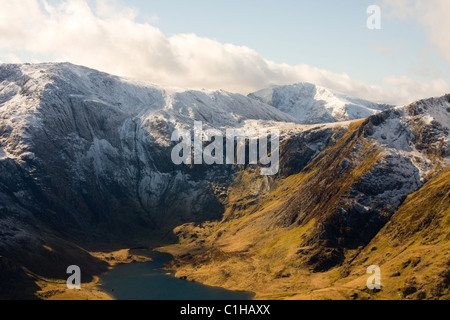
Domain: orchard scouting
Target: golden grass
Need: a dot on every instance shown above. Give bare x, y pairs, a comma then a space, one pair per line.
255, 251
52, 289
413, 249
57, 290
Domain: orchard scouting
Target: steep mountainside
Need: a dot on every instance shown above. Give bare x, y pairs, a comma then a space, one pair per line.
309, 234
85, 162
86, 150
309, 103
413, 249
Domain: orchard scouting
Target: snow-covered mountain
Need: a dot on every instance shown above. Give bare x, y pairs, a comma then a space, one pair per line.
29, 90
85, 158
311, 104
99, 133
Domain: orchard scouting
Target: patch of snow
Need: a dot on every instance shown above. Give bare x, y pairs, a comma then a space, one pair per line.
395, 135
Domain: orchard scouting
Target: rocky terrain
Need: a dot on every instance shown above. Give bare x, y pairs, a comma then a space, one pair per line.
85, 162
377, 194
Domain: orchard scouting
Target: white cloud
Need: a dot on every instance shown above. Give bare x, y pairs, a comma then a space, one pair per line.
108, 38
405, 86
432, 14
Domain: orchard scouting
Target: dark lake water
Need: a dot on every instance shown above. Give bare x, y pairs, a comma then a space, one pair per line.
148, 281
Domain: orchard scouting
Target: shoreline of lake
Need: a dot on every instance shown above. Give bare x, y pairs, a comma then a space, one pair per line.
136, 260
152, 281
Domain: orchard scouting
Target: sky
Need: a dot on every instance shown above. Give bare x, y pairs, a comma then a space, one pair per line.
242, 46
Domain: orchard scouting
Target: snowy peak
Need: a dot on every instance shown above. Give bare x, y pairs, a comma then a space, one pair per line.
311, 104
423, 124
49, 81
419, 132
85, 158
42, 95
432, 110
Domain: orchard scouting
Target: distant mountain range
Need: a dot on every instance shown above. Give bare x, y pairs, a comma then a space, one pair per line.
312, 104
85, 161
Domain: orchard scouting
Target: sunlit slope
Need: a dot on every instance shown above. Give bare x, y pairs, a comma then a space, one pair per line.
413, 249
311, 234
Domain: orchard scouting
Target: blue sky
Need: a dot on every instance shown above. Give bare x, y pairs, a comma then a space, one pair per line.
327, 34
241, 45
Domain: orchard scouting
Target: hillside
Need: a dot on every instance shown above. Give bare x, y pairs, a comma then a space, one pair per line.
312, 233
85, 165
85, 162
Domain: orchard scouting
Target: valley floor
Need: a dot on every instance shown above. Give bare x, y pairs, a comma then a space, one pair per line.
57, 289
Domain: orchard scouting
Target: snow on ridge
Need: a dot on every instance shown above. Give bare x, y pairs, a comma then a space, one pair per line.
406, 126
142, 99
29, 88
309, 103
436, 109
38, 98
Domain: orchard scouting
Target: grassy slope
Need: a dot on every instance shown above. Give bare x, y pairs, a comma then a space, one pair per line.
274, 245
413, 249
243, 253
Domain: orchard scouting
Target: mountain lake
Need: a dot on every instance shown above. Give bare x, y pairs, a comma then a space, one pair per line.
149, 281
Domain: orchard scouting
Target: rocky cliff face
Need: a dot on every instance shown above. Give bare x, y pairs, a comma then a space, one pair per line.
87, 152
85, 159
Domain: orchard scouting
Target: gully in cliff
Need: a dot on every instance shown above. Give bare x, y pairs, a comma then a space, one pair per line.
235, 141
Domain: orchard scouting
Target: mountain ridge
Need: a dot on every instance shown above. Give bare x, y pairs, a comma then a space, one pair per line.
85, 161
309, 103
311, 235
